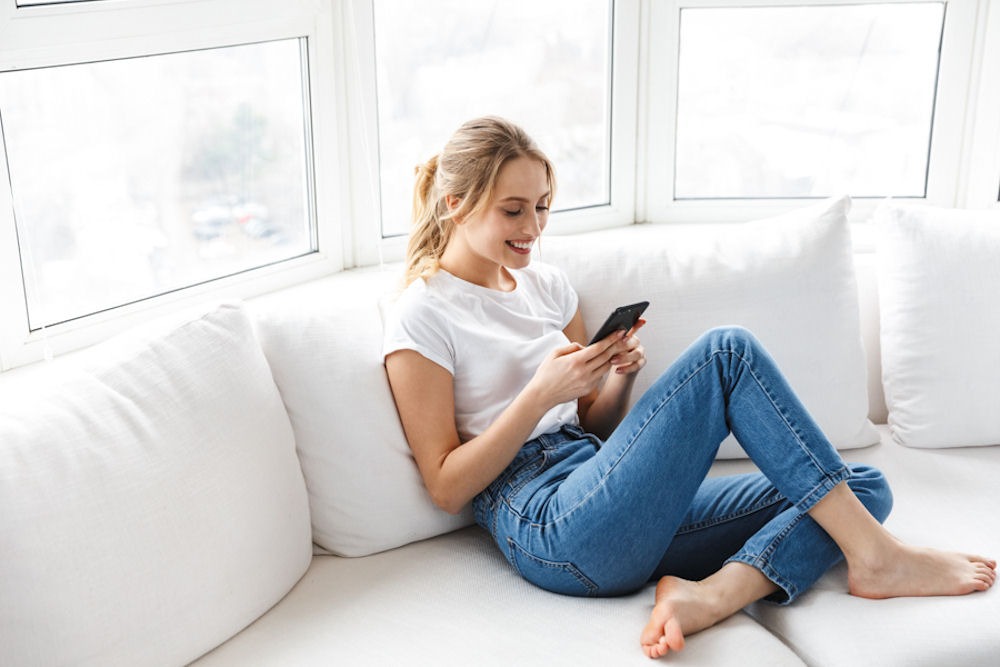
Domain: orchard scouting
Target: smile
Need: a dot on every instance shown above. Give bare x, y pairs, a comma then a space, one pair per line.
521, 246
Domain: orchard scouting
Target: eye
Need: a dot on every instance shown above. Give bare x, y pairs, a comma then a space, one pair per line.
512, 214
541, 207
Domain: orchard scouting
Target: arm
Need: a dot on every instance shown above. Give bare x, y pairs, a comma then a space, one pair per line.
454, 472
604, 408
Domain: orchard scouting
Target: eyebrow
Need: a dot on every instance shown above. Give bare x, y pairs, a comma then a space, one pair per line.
523, 199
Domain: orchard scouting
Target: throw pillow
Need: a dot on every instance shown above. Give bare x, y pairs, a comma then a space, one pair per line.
323, 341
939, 286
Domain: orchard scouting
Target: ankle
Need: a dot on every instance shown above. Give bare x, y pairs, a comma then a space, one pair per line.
735, 586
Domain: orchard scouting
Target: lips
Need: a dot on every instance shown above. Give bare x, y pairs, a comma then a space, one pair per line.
520, 247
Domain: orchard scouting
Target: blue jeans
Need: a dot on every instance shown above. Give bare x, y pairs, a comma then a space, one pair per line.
577, 516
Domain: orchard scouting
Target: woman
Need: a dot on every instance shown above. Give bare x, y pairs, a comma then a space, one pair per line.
505, 406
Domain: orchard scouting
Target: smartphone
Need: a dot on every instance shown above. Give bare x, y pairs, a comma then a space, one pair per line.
622, 319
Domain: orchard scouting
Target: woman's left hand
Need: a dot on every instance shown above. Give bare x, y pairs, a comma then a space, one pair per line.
633, 355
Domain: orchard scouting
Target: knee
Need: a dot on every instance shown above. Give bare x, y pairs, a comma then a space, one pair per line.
872, 489
732, 338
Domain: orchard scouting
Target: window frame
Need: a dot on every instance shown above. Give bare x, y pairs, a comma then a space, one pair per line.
367, 244
946, 141
48, 35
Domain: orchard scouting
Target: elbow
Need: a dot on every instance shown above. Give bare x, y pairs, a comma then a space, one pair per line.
447, 500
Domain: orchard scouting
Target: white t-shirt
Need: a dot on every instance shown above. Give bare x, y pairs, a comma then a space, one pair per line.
491, 342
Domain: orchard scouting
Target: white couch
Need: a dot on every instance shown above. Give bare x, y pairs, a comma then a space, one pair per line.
178, 494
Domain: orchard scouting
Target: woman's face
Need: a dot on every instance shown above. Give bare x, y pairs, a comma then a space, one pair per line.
504, 232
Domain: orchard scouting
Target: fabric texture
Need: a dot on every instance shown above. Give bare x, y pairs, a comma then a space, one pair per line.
789, 279
152, 504
491, 342
939, 287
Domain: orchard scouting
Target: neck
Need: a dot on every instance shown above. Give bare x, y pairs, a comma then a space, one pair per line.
485, 274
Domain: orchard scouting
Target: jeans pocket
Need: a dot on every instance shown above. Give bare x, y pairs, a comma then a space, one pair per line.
556, 576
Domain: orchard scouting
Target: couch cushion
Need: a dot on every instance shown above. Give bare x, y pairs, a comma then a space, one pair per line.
323, 341
942, 499
939, 286
454, 601
152, 504
789, 279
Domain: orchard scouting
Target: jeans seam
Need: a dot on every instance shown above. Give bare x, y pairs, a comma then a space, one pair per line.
784, 418
564, 566
719, 520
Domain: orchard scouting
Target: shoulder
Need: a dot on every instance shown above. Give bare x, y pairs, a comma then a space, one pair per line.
417, 321
418, 305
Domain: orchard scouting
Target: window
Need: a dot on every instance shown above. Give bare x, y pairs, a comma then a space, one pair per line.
545, 65
135, 177
806, 101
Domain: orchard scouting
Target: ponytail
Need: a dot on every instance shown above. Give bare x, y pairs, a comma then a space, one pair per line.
432, 226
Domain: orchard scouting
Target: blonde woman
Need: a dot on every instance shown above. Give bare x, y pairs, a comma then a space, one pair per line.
505, 406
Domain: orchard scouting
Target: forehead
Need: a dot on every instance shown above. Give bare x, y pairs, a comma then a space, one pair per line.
522, 178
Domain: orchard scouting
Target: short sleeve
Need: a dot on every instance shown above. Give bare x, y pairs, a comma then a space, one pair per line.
412, 323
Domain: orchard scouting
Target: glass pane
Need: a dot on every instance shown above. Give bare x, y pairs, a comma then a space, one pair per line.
544, 65
806, 101
136, 177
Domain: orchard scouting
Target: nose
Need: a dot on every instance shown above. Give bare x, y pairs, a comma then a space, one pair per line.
536, 222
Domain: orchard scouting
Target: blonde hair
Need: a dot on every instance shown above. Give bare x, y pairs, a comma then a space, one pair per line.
467, 169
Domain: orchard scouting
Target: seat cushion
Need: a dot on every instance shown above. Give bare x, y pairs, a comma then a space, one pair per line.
152, 504
454, 601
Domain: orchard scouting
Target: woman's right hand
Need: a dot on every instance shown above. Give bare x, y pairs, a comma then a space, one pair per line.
573, 371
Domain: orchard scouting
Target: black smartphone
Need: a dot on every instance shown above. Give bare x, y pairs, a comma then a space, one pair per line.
623, 319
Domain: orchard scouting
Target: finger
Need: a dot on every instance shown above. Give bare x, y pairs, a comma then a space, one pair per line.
600, 353
567, 349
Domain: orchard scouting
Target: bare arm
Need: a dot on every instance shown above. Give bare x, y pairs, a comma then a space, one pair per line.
425, 399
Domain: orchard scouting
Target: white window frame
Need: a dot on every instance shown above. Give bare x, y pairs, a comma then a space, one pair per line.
366, 243
53, 35
948, 138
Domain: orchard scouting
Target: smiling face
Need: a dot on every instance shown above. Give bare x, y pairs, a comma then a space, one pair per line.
503, 233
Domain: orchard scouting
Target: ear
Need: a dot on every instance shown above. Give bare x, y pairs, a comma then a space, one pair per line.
452, 202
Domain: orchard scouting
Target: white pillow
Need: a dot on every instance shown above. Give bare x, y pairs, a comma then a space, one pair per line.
939, 286
152, 504
324, 341
789, 279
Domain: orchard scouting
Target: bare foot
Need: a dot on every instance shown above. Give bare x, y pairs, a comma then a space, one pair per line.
679, 607
685, 607
917, 571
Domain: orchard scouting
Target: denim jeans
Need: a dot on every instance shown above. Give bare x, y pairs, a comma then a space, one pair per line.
578, 516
